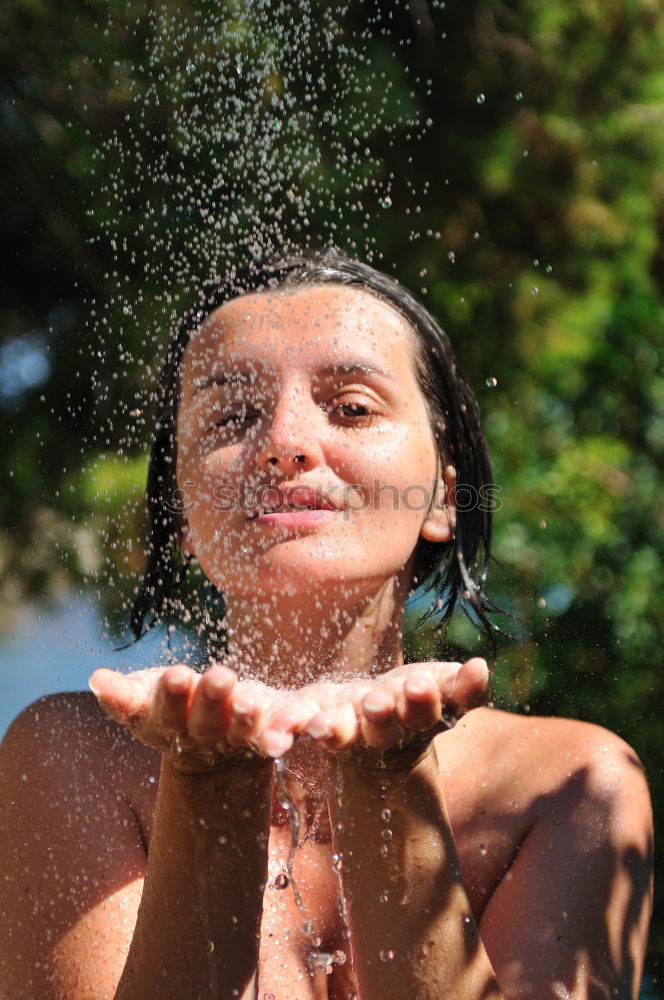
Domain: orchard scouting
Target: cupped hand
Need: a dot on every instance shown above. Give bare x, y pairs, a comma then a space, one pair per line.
200, 716
409, 704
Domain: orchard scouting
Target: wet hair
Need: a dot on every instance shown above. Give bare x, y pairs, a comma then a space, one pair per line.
450, 572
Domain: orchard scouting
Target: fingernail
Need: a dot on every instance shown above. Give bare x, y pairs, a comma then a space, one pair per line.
177, 685
372, 704
277, 744
215, 689
319, 729
242, 710
94, 689
417, 685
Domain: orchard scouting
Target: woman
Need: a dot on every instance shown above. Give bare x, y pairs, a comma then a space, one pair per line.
313, 426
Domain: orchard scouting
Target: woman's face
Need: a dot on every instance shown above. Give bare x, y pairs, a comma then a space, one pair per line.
305, 451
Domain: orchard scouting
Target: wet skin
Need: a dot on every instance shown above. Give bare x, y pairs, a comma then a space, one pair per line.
315, 390
550, 819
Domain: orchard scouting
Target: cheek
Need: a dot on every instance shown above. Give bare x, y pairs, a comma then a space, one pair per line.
394, 487
402, 457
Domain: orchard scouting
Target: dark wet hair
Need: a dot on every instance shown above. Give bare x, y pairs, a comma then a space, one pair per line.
449, 572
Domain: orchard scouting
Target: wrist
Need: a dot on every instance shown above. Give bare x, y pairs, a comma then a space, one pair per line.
406, 756
241, 761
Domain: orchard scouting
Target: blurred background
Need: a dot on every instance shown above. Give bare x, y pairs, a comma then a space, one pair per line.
503, 160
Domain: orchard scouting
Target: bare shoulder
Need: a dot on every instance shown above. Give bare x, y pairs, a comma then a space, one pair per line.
72, 847
538, 756
62, 757
530, 796
69, 733
73, 717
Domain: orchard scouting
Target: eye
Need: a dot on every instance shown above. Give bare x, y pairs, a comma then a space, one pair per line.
358, 411
235, 419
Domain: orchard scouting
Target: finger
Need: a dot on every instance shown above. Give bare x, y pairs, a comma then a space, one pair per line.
295, 714
336, 728
379, 720
209, 715
422, 702
248, 707
470, 687
118, 694
271, 742
172, 699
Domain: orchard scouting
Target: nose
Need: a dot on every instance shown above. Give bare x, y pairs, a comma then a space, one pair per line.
290, 442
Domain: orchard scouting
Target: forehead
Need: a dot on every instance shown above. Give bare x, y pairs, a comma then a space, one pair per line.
299, 325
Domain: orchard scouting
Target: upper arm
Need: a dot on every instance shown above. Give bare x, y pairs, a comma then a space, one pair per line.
71, 855
570, 917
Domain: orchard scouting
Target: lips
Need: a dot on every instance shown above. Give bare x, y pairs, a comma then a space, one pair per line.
293, 500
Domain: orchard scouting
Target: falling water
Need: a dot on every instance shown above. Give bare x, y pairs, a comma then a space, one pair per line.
316, 959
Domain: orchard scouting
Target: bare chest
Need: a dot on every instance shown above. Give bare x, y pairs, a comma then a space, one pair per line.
305, 940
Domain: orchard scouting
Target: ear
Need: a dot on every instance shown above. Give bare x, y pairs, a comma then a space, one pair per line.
440, 521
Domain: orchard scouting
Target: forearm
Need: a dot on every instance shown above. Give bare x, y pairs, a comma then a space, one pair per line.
412, 930
198, 925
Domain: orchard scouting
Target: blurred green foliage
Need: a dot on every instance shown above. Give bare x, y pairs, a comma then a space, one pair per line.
503, 160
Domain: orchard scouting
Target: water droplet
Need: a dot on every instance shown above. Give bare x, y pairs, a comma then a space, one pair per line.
476, 235
451, 256
386, 815
385, 202
483, 850
384, 896
491, 382
542, 524
320, 960
386, 834
534, 290
481, 98
339, 957
466, 919
337, 862
541, 602
386, 955
518, 96
384, 850
209, 947
548, 269
281, 881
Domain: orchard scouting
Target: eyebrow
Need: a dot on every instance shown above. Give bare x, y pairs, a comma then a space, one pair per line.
351, 367
223, 378
355, 367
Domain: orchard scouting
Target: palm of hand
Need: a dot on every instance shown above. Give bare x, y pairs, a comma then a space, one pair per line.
209, 715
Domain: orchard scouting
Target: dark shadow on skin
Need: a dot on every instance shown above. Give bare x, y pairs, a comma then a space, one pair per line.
593, 846
429, 887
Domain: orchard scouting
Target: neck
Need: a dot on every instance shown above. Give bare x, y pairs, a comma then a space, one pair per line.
334, 635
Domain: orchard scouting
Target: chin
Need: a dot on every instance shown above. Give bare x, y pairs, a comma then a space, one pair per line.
303, 580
